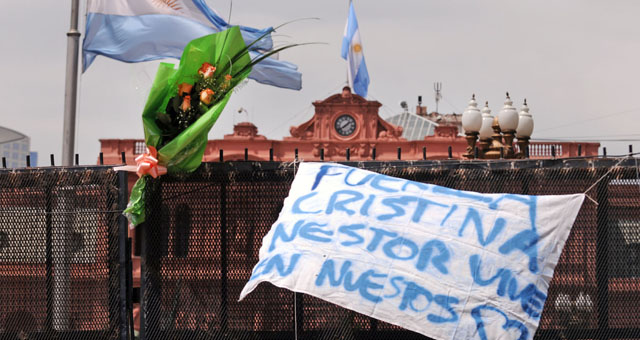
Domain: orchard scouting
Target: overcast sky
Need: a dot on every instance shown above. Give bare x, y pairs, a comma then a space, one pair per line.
576, 61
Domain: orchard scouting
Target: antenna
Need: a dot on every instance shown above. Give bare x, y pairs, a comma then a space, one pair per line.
437, 86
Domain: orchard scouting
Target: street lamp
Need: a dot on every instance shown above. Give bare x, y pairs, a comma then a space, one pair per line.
524, 130
485, 131
471, 123
497, 133
508, 120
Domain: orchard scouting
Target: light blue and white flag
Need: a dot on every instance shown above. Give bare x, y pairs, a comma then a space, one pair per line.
352, 52
143, 30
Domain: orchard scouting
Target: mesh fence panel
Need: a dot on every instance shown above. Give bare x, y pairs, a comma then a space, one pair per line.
204, 230
59, 254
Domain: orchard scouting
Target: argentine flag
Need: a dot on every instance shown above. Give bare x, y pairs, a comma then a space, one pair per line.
352, 52
143, 30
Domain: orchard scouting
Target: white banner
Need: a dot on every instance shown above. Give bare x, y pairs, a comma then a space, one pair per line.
445, 263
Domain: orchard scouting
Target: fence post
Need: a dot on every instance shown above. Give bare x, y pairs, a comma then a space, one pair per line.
151, 256
130, 288
223, 254
122, 248
602, 260
143, 281
299, 310
48, 251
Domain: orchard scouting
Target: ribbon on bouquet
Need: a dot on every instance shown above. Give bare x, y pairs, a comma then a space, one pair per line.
146, 164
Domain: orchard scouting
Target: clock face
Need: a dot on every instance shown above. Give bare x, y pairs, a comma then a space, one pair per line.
345, 125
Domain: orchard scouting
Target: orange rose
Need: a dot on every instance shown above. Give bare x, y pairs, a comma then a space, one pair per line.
206, 70
184, 88
206, 96
186, 103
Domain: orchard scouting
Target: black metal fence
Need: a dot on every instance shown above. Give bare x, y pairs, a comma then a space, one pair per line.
204, 230
63, 254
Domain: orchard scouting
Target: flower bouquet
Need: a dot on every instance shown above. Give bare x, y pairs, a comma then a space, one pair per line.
183, 105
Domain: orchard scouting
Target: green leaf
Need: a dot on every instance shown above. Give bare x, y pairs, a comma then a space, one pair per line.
267, 55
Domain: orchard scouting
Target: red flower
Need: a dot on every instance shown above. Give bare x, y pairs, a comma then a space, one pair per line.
186, 103
206, 70
206, 96
184, 88
227, 77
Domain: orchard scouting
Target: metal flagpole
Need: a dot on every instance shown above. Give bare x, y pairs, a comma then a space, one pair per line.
61, 260
71, 87
345, 30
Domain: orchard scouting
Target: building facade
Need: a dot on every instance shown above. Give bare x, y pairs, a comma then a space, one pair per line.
346, 126
14, 148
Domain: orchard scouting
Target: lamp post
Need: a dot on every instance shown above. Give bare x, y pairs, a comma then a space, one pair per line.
471, 122
508, 120
496, 134
524, 130
485, 130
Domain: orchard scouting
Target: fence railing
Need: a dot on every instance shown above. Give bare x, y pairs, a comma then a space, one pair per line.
544, 150
235, 150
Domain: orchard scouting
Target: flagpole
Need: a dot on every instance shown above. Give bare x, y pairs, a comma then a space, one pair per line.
71, 87
347, 73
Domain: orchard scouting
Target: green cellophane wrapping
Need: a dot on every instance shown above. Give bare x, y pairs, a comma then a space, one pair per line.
184, 153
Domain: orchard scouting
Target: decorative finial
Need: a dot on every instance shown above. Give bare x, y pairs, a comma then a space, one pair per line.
508, 95
486, 110
525, 109
472, 103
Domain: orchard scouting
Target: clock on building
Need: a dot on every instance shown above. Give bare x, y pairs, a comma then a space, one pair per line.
345, 125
